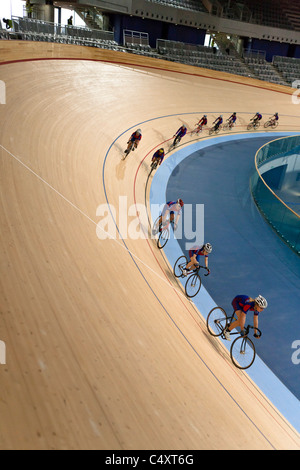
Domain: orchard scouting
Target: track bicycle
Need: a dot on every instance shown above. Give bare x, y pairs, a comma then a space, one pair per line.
242, 351
193, 283
228, 126
131, 146
162, 231
271, 123
215, 129
175, 142
197, 130
253, 125
153, 166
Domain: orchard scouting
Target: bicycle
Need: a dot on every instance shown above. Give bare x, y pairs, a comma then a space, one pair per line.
153, 166
163, 230
242, 351
197, 130
215, 129
193, 283
130, 147
271, 123
253, 125
228, 126
175, 142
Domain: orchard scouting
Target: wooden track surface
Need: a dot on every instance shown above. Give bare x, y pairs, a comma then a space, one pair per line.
103, 349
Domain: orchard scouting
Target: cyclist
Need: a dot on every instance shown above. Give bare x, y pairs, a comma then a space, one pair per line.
218, 122
256, 118
274, 118
195, 254
202, 122
159, 156
232, 119
179, 134
241, 305
170, 208
134, 139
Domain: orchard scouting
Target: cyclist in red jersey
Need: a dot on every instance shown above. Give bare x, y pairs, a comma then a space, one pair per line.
241, 305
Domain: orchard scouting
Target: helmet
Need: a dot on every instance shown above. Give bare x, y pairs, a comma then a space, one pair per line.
180, 201
138, 131
261, 301
234, 113
276, 114
161, 150
208, 247
204, 115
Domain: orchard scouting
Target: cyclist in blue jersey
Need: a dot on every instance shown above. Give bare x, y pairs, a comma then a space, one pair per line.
159, 156
256, 118
274, 118
179, 134
242, 304
195, 254
232, 119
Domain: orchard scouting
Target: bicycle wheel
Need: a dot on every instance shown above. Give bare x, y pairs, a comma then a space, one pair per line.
242, 352
193, 285
267, 124
163, 237
274, 125
216, 321
155, 227
179, 265
249, 127
211, 131
226, 126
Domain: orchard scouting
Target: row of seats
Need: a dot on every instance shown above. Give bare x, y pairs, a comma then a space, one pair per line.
283, 70
194, 5
288, 67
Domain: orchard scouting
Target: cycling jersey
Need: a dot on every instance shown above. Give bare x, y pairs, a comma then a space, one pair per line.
258, 116
172, 206
233, 118
202, 122
135, 137
198, 251
219, 121
181, 131
243, 303
157, 154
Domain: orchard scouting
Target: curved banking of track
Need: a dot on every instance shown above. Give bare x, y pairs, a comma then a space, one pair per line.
103, 350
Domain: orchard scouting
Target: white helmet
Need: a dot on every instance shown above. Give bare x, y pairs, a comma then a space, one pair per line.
208, 247
138, 131
261, 301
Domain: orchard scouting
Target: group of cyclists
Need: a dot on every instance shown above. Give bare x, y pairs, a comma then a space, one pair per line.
136, 137
242, 304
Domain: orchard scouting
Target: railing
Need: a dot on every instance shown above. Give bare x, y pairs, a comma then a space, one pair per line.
279, 215
25, 25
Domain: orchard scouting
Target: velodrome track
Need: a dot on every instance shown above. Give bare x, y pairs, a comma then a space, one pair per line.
103, 349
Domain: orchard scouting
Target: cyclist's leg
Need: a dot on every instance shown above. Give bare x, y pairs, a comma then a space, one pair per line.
164, 214
241, 318
193, 261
